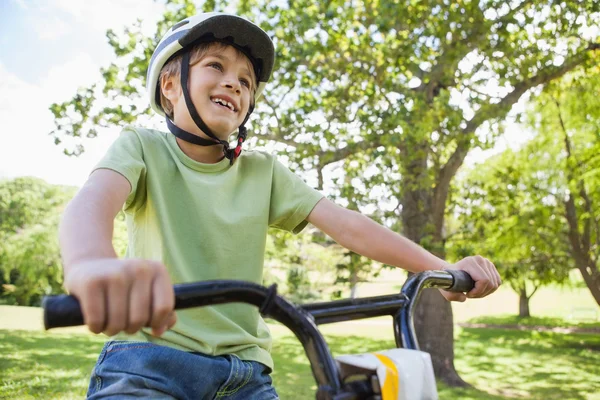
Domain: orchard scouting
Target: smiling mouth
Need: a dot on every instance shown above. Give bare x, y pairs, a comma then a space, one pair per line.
223, 103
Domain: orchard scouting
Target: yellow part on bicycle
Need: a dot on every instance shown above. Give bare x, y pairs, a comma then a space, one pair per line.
390, 385
401, 374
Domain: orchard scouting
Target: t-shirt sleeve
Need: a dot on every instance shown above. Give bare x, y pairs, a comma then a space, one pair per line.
291, 200
126, 157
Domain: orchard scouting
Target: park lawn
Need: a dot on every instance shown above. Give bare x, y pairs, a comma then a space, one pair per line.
548, 322
499, 363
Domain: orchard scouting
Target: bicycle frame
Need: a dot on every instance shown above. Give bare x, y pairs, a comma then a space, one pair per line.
302, 320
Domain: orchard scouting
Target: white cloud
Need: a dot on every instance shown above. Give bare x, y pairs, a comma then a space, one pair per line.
110, 14
25, 122
50, 28
61, 82
47, 18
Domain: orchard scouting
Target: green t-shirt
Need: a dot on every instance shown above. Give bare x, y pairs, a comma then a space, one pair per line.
205, 222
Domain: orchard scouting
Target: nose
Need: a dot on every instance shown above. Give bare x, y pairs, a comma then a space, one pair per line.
232, 84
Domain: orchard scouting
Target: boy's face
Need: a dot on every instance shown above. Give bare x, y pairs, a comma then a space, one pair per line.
221, 85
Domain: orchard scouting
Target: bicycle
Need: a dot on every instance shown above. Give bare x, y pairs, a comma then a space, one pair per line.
344, 379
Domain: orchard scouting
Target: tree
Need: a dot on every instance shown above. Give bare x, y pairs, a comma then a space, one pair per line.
352, 270
26, 200
505, 214
30, 263
389, 96
567, 118
535, 211
302, 264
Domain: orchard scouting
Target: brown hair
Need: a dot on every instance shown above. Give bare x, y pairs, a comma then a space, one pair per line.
173, 69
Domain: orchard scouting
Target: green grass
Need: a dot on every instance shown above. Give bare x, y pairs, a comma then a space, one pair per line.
499, 363
40, 365
551, 322
530, 364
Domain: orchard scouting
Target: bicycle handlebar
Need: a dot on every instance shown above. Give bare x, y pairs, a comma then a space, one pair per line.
302, 320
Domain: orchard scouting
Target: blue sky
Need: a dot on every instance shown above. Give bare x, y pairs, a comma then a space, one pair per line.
45, 39
49, 48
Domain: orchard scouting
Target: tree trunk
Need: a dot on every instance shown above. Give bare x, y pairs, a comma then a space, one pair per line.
435, 333
433, 314
353, 285
353, 291
583, 261
591, 277
580, 239
523, 304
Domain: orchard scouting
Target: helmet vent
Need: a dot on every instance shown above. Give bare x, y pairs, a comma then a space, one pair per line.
177, 25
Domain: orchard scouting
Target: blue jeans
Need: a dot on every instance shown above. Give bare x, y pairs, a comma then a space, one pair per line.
128, 370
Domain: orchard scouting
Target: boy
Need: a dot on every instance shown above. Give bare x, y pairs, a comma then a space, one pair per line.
198, 210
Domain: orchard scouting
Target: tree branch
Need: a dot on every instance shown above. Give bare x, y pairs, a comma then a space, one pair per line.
487, 96
535, 288
586, 236
286, 94
268, 102
277, 138
320, 176
444, 177
485, 113
500, 109
513, 11
451, 54
328, 157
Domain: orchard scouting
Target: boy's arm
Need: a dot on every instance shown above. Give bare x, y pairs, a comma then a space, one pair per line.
115, 295
364, 236
86, 229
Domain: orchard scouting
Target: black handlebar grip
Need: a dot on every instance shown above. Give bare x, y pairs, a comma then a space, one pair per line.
462, 281
62, 310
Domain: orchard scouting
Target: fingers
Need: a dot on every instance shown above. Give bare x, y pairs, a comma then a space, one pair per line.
454, 296
93, 308
123, 295
116, 294
151, 299
140, 299
480, 274
163, 302
495, 274
484, 273
91, 294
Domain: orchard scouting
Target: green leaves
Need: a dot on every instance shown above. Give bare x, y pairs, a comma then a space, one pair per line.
25, 201
381, 99
29, 254
534, 211
30, 263
506, 214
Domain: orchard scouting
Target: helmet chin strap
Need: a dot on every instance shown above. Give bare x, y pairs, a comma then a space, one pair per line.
230, 154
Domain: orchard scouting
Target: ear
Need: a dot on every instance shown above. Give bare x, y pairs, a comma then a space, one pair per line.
170, 88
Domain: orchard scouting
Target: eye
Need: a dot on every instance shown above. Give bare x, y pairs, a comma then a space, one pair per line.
216, 65
245, 82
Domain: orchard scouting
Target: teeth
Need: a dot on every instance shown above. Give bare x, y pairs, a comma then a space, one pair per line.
223, 102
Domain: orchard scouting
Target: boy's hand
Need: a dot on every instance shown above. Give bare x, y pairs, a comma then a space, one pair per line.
123, 295
483, 272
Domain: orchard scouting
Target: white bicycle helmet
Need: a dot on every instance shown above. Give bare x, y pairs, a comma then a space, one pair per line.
207, 27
